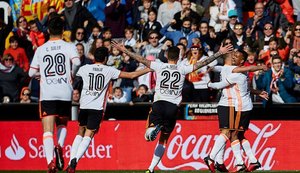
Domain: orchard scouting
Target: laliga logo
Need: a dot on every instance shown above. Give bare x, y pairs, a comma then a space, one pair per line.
193, 148
15, 151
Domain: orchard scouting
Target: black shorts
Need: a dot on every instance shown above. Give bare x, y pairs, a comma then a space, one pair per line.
90, 118
244, 120
55, 107
224, 113
163, 113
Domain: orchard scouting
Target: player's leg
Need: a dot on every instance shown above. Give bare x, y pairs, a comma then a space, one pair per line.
64, 112
167, 113
235, 142
218, 149
154, 121
94, 118
159, 151
48, 115
244, 123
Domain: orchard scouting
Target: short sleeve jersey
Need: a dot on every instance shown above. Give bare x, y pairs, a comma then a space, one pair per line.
243, 100
96, 78
169, 82
228, 95
53, 60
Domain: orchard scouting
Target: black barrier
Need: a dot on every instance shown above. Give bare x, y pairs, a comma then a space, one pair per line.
140, 111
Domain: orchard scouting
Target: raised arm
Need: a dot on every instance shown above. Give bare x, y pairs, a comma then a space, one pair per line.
132, 75
135, 56
223, 50
243, 69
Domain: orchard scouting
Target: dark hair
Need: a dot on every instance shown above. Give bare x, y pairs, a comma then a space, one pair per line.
101, 54
173, 53
276, 57
56, 26
31, 22
144, 86
13, 39
51, 7
80, 44
74, 32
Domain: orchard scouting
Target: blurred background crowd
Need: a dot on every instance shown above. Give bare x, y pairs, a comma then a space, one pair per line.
266, 31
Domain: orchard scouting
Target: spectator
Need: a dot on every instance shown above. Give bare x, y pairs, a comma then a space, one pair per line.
25, 95
251, 61
142, 94
107, 33
262, 43
83, 59
141, 13
115, 59
22, 35
214, 11
37, 37
128, 65
129, 39
294, 65
185, 31
79, 36
5, 29
115, 13
97, 9
273, 49
118, 96
18, 53
151, 24
96, 33
166, 12
98, 42
185, 12
278, 82
292, 37
12, 78
258, 21
200, 77
77, 16
238, 38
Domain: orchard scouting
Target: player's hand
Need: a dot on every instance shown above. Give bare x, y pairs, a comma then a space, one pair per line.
226, 49
264, 67
117, 45
264, 95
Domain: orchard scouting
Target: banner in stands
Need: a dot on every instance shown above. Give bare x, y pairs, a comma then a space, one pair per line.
120, 145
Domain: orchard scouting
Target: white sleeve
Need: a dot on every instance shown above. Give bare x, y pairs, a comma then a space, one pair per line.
218, 85
34, 66
217, 68
234, 77
116, 73
155, 65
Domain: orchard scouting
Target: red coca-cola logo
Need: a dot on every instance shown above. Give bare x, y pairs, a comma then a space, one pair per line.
192, 149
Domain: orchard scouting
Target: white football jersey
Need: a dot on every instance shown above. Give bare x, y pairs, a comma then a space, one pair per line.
53, 60
96, 78
228, 95
243, 100
169, 82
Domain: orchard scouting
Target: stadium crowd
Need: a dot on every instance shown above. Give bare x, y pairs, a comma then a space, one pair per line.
262, 29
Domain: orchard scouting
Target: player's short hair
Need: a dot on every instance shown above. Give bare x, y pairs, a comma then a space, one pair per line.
56, 26
101, 53
173, 53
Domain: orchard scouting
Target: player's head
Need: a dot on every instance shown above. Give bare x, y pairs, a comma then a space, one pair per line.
101, 54
239, 57
173, 53
56, 26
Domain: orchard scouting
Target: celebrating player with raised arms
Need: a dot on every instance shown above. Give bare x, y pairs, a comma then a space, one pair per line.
167, 97
96, 78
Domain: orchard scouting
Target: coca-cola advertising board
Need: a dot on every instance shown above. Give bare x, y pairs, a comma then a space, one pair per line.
120, 145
